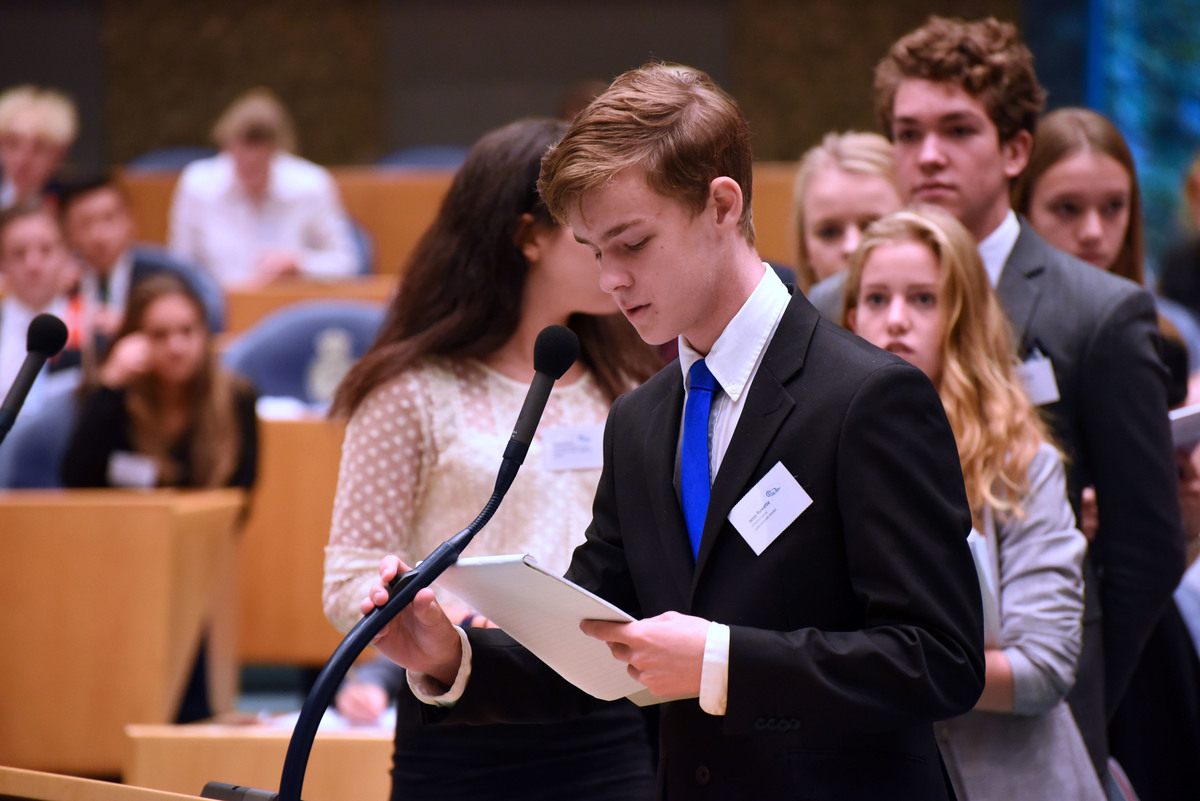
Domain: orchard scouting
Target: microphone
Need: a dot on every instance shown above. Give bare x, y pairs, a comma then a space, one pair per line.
554, 351
46, 337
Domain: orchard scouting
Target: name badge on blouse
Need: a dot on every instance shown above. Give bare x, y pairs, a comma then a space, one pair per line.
1037, 376
769, 507
127, 469
578, 447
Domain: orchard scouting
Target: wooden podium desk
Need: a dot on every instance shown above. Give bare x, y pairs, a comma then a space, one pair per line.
29, 785
343, 765
104, 598
281, 559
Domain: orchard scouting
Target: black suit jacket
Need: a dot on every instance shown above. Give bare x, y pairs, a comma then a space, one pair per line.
853, 631
1101, 333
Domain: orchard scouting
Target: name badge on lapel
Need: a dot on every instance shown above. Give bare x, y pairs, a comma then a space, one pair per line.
768, 508
1036, 374
578, 447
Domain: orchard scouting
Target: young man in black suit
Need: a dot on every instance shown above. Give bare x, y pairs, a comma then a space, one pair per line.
960, 101
814, 644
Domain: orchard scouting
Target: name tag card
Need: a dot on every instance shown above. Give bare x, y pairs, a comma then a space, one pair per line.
574, 447
127, 469
769, 507
1037, 376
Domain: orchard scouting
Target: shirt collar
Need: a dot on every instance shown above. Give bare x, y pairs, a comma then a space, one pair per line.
740, 346
997, 246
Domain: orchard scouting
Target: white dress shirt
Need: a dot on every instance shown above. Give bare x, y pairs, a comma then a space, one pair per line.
215, 224
997, 246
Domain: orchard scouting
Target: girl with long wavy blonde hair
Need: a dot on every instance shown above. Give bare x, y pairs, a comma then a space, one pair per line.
997, 427
917, 287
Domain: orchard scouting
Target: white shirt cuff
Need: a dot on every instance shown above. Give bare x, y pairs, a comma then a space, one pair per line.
428, 690
714, 674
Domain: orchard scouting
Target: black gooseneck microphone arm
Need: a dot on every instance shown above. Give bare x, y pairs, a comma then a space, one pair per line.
554, 353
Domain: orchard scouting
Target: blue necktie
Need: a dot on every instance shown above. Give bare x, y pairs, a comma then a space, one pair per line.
695, 481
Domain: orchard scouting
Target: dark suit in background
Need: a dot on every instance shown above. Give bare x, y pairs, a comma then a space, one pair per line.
1101, 334
850, 634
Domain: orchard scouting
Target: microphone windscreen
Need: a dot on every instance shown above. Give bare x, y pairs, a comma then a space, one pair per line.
47, 335
555, 350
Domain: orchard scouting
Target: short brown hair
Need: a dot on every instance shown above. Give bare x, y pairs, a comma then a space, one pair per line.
673, 122
986, 59
257, 116
32, 207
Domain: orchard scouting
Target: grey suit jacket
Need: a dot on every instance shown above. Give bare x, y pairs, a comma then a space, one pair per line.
1037, 751
827, 296
1101, 333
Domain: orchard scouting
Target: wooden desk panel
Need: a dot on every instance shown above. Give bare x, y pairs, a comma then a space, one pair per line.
394, 206
282, 554
772, 205
104, 597
243, 308
343, 766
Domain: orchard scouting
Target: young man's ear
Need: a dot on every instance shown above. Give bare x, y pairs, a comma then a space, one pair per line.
1016, 153
726, 197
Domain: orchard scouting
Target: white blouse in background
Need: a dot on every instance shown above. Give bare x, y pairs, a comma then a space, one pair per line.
215, 224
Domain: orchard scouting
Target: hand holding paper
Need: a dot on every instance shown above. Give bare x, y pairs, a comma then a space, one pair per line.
664, 653
547, 614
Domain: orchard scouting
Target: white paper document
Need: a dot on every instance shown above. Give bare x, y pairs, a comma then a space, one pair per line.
542, 611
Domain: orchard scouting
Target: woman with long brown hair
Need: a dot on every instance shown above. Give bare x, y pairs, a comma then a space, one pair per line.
161, 411
431, 407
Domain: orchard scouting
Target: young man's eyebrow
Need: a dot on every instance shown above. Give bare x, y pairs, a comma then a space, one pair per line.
616, 230
953, 116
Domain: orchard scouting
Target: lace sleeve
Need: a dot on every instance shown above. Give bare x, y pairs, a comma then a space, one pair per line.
384, 457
